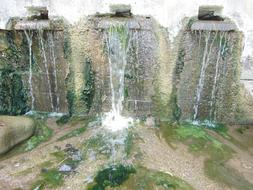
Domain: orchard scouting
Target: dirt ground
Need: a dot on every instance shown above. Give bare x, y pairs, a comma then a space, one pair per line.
19, 171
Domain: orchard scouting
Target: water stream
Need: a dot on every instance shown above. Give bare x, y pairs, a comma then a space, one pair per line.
204, 65
53, 60
45, 61
29, 36
118, 39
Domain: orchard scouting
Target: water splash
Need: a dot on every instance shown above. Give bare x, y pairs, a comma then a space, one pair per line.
45, 61
29, 36
118, 39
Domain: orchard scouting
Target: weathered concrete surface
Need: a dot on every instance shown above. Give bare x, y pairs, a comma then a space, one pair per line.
15, 56
14, 130
224, 66
214, 25
32, 25
148, 52
246, 92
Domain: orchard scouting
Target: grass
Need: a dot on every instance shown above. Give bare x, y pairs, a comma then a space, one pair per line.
242, 129
49, 179
74, 133
200, 142
147, 179
129, 143
218, 171
42, 134
63, 120
112, 176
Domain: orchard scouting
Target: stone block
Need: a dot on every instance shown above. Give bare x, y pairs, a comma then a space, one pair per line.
14, 130
210, 13
121, 10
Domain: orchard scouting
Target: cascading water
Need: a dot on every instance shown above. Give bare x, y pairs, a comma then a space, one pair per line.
53, 60
204, 65
29, 36
118, 39
219, 67
221, 49
45, 61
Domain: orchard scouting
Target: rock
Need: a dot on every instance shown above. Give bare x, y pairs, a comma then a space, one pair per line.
210, 13
37, 13
121, 10
77, 156
65, 168
150, 122
3, 42
14, 130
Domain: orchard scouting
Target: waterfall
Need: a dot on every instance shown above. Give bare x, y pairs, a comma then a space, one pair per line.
221, 50
118, 39
29, 36
45, 61
204, 65
53, 59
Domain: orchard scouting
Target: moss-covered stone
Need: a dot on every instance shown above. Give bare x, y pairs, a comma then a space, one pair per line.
13, 96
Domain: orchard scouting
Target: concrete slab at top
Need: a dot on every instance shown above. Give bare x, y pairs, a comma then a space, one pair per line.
136, 23
33, 25
214, 25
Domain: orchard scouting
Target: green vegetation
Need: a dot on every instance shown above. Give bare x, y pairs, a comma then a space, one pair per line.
89, 88
200, 142
191, 21
13, 97
49, 179
94, 143
147, 179
42, 134
218, 171
242, 129
129, 143
123, 34
74, 133
111, 177
63, 120
64, 158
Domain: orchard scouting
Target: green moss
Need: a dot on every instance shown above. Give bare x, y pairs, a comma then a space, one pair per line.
13, 96
190, 22
74, 133
111, 177
49, 179
242, 129
67, 45
129, 143
218, 171
63, 120
150, 180
94, 142
59, 155
42, 134
201, 142
89, 88
122, 31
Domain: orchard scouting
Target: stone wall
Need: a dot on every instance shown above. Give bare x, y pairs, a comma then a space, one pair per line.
15, 57
216, 56
147, 58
